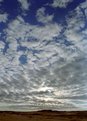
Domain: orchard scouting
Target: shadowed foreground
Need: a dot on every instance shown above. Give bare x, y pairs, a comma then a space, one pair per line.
44, 116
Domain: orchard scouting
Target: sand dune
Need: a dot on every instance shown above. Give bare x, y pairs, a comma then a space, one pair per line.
44, 116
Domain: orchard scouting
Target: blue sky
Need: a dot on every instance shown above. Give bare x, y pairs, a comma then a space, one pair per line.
43, 54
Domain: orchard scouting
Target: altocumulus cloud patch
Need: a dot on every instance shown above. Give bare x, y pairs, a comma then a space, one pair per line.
43, 55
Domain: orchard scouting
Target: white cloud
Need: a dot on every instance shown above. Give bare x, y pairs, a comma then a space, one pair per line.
60, 3
24, 4
46, 32
54, 72
51, 60
2, 44
44, 53
19, 30
3, 17
1, 1
76, 30
84, 8
43, 17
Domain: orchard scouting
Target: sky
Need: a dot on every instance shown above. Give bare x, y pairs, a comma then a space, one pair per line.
43, 54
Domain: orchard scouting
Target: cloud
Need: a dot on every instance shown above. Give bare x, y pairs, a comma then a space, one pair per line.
48, 62
41, 86
2, 44
46, 32
3, 17
29, 32
76, 27
43, 17
24, 4
55, 73
32, 37
60, 3
39, 41
0, 0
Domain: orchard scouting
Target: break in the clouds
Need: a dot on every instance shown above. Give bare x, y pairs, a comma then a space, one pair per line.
43, 56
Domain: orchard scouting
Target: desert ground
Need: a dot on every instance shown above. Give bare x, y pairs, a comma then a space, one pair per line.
44, 116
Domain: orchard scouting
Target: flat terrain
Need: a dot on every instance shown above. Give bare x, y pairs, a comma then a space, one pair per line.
44, 116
